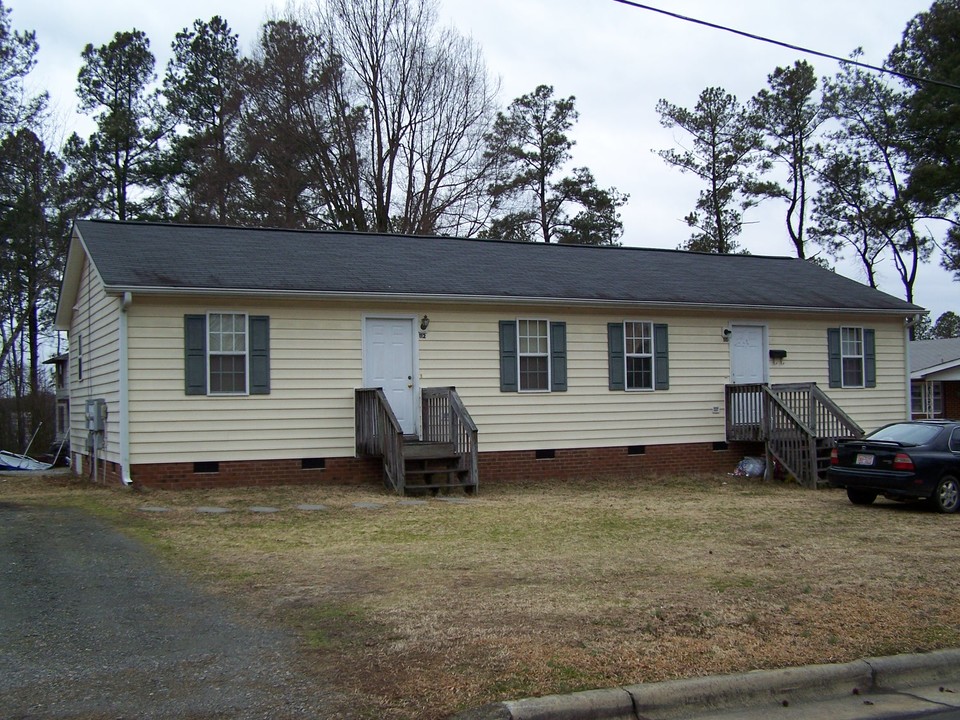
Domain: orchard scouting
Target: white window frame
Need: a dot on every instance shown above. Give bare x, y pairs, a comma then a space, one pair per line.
844, 356
928, 395
520, 354
627, 355
220, 353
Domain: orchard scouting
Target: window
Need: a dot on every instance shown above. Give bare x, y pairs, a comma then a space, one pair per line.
79, 357
852, 357
638, 356
533, 344
926, 399
638, 352
226, 354
533, 356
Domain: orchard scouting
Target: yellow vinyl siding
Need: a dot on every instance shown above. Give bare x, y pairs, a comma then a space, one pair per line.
96, 320
315, 364
806, 344
314, 368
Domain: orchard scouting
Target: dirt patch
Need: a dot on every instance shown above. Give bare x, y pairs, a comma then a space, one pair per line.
533, 589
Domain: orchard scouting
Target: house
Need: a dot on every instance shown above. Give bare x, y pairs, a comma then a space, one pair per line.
61, 374
935, 378
204, 356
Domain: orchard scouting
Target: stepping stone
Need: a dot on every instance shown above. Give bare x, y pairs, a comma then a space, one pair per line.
263, 509
153, 509
213, 510
311, 508
412, 502
454, 500
367, 505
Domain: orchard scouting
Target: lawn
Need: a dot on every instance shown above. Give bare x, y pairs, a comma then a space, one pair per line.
419, 610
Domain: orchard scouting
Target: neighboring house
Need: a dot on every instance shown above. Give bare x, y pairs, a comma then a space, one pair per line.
204, 355
61, 381
935, 378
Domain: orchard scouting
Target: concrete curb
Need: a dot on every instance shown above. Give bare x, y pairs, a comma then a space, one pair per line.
681, 698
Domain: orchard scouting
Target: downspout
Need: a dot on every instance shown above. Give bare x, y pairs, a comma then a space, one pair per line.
124, 394
907, 324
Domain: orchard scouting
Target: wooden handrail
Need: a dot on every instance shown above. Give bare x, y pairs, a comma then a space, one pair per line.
789, 440
789, 418
446, 420
379, 434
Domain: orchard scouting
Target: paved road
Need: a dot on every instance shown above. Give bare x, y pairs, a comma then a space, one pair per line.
91, 627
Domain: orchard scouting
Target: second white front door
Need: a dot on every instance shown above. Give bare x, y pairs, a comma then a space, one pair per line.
748, 360
388, 363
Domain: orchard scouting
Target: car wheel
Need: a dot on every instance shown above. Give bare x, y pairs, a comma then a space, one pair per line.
946, 498
861, 497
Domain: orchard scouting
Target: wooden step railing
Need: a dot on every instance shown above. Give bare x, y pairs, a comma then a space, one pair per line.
378, 434
795, 421
446, 420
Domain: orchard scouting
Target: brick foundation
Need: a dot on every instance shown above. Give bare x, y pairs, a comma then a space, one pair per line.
613, 462
108, 473
494, 467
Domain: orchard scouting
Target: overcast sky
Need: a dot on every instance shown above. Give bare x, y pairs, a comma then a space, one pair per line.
617, 60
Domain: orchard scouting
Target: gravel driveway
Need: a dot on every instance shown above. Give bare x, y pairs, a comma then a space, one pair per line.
92, 626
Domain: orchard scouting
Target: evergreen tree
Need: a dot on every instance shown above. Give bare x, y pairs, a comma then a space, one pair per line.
930, 49
789, 115
532, 199
18, 56
202, 88
724, 156
115, 169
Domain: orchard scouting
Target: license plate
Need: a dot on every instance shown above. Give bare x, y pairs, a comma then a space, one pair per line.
863, 459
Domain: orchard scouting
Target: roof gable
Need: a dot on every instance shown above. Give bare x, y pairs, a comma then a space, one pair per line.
152, 257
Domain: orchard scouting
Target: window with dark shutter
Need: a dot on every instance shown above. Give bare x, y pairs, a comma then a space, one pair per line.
638, 356
226, 354
533, 356
851, 357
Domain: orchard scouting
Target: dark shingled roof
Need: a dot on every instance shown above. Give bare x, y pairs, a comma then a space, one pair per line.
151, 256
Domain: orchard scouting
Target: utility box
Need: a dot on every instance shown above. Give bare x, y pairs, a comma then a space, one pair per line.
96, 415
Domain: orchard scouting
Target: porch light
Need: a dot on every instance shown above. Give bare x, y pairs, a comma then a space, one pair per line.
424, 323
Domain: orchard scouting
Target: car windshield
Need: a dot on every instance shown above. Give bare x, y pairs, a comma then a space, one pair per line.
906, 433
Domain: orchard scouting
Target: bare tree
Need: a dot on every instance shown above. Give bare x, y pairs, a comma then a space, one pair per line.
428, 103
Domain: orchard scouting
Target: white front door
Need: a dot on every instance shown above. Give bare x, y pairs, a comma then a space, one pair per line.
388, 363
748, 361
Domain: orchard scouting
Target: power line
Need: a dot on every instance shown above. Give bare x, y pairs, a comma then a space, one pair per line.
798, 48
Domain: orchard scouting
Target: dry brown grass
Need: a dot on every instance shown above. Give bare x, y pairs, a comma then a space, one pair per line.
534, 589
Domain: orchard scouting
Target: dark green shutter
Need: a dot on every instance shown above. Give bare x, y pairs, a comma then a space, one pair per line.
558, 356
869, 358
834, 363
259, 355
661, 358
195, 354
615, 360
508, 356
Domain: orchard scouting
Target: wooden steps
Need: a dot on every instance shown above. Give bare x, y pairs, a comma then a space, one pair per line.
432, 467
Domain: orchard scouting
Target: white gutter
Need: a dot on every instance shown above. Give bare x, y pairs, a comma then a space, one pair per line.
124, 394
496, 299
